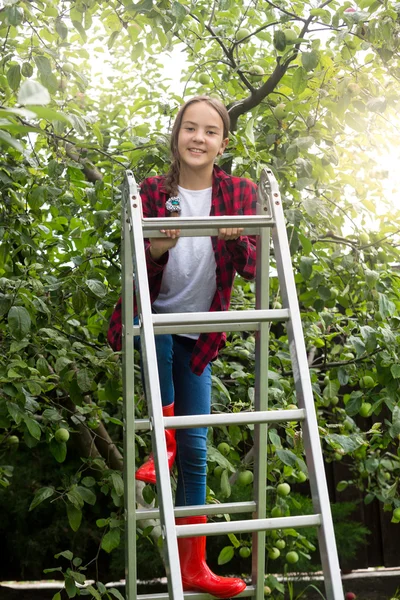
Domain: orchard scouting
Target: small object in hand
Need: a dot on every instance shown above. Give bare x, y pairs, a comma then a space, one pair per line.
173, 204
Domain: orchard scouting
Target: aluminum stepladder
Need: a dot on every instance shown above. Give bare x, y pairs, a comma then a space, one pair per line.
269, 217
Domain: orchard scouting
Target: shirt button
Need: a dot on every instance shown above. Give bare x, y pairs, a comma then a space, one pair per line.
220, 288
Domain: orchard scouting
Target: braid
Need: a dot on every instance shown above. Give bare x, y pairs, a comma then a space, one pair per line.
172, 178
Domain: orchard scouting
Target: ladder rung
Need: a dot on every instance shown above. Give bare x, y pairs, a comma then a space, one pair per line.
204, 509
214, 321
247, 593
241, 418
247, 526
206, 226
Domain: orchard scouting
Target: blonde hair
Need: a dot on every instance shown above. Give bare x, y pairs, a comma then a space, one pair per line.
172, 177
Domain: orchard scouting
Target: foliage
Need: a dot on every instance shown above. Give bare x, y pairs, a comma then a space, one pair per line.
83, 97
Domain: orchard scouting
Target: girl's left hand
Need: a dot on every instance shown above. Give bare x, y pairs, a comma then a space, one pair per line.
233, 233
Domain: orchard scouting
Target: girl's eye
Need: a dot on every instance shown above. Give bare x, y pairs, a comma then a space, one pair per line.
212, 132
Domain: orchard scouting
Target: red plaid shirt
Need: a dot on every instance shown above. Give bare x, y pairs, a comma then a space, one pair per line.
230, 196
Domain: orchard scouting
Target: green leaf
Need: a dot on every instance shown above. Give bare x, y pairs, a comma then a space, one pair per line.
310, 60
78, 300
65, 554
394, 429
287, 457
61, 29
58, 450
87, 495
70, 587
33, 427
97, 288
249, 131
306, 265
347, 443
89, 481
14, 77
354, 404
395, 371
94, 592
44, 65
84, 379
225, 485
279, 40
386, 307
74, 517
117, 483
355, 123
79, 125
33, 92
19, 321
116, 594
299, 80
6, 138
226, 555
40, 496
57, 596
111, 540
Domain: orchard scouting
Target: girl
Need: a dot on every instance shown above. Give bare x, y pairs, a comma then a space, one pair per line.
191, 274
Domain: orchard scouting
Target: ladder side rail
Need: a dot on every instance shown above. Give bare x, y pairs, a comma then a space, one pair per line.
128, 380
261, 399
153, 394
312, 444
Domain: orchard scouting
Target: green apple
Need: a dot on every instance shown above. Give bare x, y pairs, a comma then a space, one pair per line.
242, 33
280, 111
68, 67
256, 73
365, 409
276, 512
224, 448
396, 514
290, 35
204, 78
367, 382
12, 440
283, 489
62, 435
244, 552
245, 478
274, 553
218, 471
292, 557
280, 544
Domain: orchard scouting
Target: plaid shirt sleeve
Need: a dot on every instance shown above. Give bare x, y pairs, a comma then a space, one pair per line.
243, 250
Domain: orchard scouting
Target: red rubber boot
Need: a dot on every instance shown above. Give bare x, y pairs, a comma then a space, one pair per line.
147, 472
196, 575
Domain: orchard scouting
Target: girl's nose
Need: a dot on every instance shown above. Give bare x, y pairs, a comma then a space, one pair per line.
199, 135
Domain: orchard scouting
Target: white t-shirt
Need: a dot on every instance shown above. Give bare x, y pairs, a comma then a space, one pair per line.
189, 280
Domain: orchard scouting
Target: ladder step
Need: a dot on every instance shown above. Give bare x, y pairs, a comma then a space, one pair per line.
241, 418
197, 322
206, 226
204, 509
248, 526
249, 592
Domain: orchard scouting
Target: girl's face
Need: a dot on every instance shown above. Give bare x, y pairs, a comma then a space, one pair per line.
200, 138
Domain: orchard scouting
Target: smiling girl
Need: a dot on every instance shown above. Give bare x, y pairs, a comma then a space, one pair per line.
189, 274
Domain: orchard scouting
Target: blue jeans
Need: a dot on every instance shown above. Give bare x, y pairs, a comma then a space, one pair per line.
192, 396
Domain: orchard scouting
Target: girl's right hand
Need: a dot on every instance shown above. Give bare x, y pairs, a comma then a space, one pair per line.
159, 246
